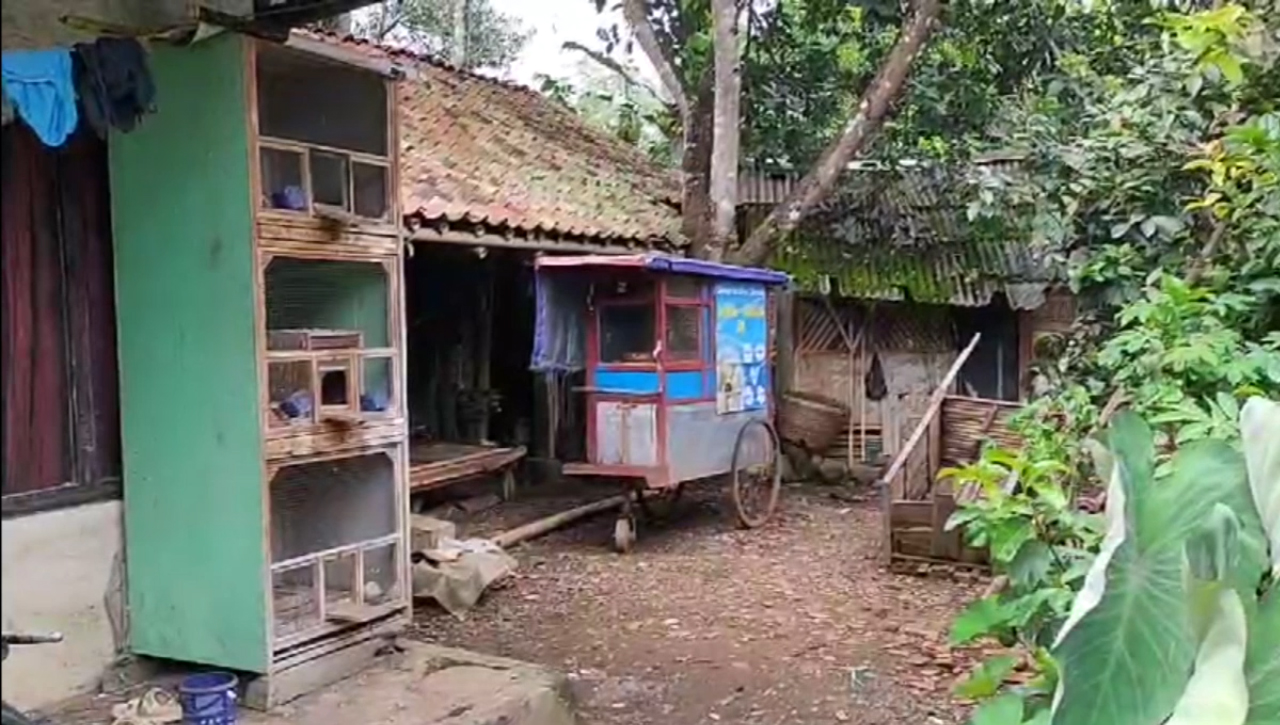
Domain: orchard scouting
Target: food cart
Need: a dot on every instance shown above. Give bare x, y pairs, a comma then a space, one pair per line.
677, 387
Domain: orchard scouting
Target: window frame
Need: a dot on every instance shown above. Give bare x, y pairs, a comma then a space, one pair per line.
702, 303
604, 305
385, 161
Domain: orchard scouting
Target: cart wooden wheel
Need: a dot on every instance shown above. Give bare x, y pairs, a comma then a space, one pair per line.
660, 503
757, 477
624, 534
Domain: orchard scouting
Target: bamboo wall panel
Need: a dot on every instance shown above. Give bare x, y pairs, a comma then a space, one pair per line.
967, 423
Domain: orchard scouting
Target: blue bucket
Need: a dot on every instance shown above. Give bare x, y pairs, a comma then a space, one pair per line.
209, 699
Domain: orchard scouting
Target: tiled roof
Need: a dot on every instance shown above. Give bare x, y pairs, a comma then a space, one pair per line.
903, 233
489, 153
499, 156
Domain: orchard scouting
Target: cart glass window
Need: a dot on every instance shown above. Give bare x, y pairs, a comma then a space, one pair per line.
627, 333
684, 333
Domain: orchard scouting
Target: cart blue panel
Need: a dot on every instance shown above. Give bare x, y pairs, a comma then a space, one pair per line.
686, 385
627, 382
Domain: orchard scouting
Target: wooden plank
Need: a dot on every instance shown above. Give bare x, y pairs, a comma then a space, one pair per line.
912, 559
911, 513
434, 475
303, 239
484, 345
934, 448
942, 504
786, 344
365, 435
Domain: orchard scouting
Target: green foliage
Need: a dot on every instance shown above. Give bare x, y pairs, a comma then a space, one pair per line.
493, 39
608, 96
806, 63
1156, 182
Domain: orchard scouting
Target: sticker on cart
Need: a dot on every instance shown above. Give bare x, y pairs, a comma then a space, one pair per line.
742, 335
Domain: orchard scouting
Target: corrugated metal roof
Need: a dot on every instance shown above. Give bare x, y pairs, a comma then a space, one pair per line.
902, 233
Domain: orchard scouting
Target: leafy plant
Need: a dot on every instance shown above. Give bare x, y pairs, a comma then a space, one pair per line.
1022, 514
1178, 617
1176, 620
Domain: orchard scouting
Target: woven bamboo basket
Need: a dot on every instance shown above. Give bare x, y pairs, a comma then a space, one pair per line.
812, 421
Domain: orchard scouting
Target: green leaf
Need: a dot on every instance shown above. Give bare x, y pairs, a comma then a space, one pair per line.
1231, 68
979, 619
1008, 537
1262, 663
1031, 565
1213, 551
985, 681
1004, 710
1218, 692
1125, 658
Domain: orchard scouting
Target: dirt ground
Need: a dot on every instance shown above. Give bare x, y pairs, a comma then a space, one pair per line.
796, 622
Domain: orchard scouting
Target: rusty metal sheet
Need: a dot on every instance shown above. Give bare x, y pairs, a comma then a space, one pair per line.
700, 442
626, 433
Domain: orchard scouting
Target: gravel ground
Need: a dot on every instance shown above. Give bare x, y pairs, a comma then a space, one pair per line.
795, 622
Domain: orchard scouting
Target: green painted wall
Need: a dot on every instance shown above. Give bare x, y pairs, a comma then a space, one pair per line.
180, 190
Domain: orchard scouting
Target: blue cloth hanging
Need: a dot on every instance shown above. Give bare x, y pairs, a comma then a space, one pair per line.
42, 91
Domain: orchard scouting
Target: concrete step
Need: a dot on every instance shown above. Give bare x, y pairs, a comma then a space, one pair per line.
431, 685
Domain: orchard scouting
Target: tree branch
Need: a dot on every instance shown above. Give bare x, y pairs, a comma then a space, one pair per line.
608, 63
873, 107
636, 13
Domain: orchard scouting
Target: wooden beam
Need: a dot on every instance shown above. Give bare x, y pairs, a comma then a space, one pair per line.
468, 239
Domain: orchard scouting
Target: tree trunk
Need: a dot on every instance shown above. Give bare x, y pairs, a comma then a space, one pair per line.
695, 167
873, 107
725, 138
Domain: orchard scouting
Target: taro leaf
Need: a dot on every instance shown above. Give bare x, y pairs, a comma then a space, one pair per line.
1213, 551
1260, 428
1217, 693
1117, 515
1004, 710
987, 679
1127, 658
1262, 664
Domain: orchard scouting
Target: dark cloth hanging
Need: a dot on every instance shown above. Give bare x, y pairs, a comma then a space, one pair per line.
114, 83
876, 387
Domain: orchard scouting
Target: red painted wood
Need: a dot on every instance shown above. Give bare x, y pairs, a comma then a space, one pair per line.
59, 385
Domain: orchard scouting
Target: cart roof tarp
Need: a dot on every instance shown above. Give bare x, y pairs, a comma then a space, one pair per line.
670, 264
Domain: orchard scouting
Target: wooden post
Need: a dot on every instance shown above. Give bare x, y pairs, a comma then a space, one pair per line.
851, 343
484, 349
785, 341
